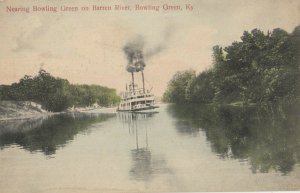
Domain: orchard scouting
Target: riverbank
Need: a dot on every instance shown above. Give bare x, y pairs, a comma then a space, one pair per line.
14, 110
92, 110
96, 110
10, 110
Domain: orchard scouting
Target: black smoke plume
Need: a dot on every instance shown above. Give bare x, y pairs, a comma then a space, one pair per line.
135, 56
167, 34
135, 50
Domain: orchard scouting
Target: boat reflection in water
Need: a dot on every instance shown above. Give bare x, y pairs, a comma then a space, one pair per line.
145, 163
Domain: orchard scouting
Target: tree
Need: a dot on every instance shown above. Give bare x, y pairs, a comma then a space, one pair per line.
177, 91
261, 68
56, 94
202, 89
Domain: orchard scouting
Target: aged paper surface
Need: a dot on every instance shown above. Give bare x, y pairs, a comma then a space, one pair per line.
84, 42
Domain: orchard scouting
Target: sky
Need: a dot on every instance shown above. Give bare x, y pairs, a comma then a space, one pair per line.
86, 47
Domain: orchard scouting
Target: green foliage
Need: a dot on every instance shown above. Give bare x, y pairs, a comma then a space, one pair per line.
177, 89
85, 95
261, 68
202, 90
56, 94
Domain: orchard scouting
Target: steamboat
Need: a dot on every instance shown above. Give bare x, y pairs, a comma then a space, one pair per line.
136, 99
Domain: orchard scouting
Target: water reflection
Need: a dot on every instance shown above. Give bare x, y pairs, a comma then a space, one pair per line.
266, 137
145, 163
46, 134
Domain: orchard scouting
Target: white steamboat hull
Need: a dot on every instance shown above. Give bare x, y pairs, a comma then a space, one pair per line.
139, 109
137, 100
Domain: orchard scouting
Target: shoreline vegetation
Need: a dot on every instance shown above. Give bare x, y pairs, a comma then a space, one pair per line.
262, 69
44, 94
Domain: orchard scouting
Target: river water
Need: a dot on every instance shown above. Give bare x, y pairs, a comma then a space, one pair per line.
177, 148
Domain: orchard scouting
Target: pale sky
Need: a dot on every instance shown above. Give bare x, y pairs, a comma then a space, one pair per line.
86, 47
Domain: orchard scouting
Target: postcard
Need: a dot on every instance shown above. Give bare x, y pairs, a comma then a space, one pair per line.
149, 96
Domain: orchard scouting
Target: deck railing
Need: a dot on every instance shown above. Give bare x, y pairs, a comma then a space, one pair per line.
138, 93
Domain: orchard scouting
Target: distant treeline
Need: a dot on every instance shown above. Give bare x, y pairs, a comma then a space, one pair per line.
260, 68
56, 94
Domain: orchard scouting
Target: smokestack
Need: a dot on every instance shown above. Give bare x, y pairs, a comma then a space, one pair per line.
143, 81
132, 81
135, 53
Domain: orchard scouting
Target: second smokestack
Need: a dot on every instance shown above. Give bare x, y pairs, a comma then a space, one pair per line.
143, 81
